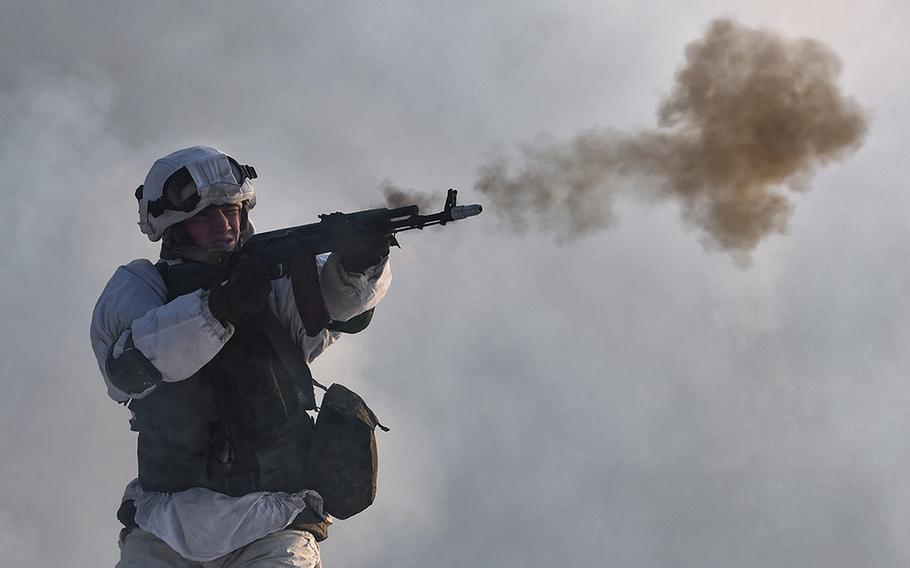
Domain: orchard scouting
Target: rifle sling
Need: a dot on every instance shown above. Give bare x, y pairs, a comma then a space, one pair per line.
308, 294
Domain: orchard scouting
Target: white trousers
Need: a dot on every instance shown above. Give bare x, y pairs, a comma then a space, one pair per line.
289, 547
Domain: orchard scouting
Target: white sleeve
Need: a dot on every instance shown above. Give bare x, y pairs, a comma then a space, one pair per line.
346, 295
177, 337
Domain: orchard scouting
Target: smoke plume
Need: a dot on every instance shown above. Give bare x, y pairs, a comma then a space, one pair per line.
751, 114
399, 197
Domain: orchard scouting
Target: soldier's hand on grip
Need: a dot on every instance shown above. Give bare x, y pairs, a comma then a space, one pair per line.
359, 246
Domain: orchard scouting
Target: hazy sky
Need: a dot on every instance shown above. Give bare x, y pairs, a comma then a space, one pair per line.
631, 399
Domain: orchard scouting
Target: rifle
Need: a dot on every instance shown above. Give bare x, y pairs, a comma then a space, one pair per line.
292, 251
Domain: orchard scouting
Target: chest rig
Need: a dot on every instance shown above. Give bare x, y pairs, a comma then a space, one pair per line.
238, 425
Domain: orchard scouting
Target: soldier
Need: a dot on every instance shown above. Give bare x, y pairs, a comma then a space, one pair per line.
223, 432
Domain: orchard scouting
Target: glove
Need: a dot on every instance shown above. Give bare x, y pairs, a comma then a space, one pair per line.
244, 294
359, 247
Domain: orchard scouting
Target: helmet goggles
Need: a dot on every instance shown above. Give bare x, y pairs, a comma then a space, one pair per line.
185, 188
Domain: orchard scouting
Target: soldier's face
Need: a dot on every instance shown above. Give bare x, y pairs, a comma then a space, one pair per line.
215, 228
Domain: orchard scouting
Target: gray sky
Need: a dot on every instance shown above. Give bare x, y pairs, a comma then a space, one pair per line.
631, 399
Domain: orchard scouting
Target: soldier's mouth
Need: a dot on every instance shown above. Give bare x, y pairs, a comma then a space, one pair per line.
225, 242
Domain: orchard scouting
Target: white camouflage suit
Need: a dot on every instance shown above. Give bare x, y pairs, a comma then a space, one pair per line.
199, 527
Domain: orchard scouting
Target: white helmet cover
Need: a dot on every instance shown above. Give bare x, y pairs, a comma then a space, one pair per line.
216, 179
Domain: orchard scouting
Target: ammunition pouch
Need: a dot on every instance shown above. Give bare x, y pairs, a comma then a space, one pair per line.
343, 457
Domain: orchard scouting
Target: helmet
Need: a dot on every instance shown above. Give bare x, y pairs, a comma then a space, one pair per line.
182, 184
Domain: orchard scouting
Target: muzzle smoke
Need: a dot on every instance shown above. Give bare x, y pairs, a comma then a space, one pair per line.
751, 113
399, 197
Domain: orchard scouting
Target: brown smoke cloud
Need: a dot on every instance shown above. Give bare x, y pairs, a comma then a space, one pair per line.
751, 114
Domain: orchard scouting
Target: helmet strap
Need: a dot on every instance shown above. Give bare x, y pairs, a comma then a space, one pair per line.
246, 228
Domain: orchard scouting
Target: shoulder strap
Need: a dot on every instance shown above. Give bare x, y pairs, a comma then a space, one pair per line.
291, 357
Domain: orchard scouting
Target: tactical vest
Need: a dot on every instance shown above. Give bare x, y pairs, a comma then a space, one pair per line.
238, 425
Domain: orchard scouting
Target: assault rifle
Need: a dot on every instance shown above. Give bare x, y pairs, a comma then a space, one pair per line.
293, 251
